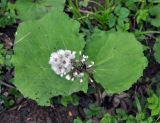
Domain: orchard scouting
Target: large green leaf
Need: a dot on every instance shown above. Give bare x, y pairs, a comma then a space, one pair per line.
35, 9
35, 41
157, 50
119, 59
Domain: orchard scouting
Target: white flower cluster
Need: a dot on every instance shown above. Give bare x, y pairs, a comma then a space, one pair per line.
61, 61
75, 75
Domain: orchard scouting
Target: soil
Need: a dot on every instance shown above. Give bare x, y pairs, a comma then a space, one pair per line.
30, 112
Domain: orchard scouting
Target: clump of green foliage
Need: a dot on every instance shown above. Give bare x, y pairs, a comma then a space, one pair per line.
116, 14
154, 104
7, 13
7, 90
142, 116
2, 55
123, 117
72, 99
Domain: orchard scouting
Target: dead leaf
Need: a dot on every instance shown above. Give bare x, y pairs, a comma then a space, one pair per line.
6, 41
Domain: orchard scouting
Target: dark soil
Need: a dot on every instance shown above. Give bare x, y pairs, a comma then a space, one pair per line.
29, 112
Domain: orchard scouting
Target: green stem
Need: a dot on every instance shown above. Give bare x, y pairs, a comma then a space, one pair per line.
75, 8
91, 1
107, 4
143, 4
150, 32
77, 4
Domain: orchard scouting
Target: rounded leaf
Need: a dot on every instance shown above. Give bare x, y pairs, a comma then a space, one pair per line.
119, 59
34, 43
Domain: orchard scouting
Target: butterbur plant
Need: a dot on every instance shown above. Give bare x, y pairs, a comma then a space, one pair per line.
52, 58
